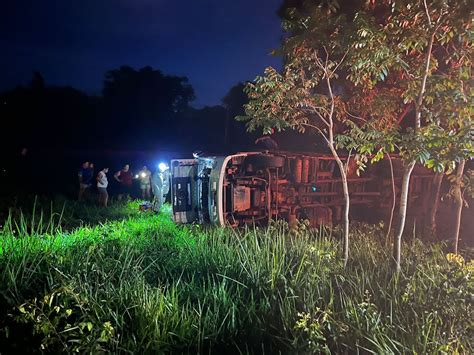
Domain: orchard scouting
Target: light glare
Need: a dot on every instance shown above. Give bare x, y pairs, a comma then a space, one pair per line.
162, 166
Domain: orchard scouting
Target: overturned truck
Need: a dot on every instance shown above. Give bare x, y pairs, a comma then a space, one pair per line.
255, 187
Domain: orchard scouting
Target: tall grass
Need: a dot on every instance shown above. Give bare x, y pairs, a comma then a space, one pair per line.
144, 284
39, 215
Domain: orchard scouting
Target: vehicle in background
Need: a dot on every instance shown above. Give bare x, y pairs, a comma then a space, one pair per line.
255, 187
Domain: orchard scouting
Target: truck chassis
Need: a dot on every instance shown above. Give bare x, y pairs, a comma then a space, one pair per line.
256, 187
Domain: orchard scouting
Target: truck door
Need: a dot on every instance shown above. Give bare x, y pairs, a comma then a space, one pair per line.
184, 196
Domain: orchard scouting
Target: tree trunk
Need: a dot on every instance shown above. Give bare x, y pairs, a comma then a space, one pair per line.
409, 168
345, 189
397, 247
394, 196
458, 198
437, 181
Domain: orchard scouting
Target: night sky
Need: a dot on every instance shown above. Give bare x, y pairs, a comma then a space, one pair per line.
214, 43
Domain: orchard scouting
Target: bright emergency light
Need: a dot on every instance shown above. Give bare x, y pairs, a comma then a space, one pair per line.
163, 166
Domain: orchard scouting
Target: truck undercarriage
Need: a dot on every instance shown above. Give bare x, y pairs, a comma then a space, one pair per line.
253, 188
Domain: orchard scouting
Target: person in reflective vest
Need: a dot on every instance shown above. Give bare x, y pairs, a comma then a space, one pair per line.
165, 179
157, 188
160, 186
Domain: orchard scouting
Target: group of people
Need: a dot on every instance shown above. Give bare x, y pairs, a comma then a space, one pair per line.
157, 182
86, 177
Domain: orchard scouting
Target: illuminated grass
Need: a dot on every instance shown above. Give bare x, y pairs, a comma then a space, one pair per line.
15, 239
143, 284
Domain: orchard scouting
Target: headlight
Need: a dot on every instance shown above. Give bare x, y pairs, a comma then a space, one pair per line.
142, 175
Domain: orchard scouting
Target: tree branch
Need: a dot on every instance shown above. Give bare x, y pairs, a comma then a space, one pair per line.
322, 118
356, 117
421, 95
331, 112
316, 112
346, 165
340, 62
404, 113
318, 129
427, 12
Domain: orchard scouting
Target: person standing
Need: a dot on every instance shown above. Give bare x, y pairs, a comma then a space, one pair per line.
145, 183
157, 185
160, 185
102, 184
165, 179
84, 179
125, 178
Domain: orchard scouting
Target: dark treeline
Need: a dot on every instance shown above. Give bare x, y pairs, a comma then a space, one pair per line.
138, 110
140, 117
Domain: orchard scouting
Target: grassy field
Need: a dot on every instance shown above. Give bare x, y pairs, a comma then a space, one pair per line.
126, 281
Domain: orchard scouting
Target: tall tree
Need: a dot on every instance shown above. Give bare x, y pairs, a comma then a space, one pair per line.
307, 94
394, 52
414, 45
452, 115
